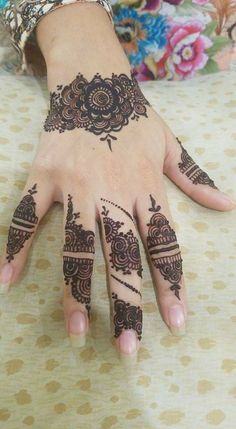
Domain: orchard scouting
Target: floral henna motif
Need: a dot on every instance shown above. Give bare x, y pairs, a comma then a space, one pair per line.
23, 224
78, 269
126, 316
125, 254
192, 170
163, 248
101, 106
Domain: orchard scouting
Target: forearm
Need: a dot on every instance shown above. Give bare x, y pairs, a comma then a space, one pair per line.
80, 38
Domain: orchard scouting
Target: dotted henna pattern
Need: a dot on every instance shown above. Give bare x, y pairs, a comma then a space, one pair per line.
127, 285
23, 224
101, 106
163, 248
78, 269
188, 167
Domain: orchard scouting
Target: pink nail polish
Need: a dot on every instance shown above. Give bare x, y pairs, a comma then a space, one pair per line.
77, 323
176, 319
128, 342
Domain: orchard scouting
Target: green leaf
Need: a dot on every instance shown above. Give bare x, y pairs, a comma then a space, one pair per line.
210, 67
116, 8
210, 28
219, 43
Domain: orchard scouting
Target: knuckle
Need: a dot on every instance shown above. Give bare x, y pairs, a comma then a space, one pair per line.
45, 164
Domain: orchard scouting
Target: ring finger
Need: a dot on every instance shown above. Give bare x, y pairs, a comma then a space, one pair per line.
159, 238
78, 258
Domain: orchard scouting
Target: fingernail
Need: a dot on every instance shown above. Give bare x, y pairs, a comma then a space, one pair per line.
128, 346
228, 199
5, 277
77, 328
177, 320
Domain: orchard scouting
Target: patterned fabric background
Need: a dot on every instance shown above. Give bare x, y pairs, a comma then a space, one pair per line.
163, 39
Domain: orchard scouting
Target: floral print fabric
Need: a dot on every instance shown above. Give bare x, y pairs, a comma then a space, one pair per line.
22, 17
163, 39
175, 39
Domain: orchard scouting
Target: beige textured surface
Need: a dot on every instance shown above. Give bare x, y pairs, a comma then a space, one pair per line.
185, 383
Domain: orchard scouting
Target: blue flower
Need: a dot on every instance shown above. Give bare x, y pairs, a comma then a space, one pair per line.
3, 3
140, 33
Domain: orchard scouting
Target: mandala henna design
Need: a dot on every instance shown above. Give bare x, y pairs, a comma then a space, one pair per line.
192, 170
126, 316
101, 106
78, 270
125, 254
163, 248
23, 224
127, 285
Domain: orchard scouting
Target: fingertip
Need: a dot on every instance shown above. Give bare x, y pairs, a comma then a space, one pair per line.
177, 320
128, 343
77, 329
77, 323
229, 203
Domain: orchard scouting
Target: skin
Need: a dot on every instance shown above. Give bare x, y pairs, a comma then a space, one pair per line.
77, 163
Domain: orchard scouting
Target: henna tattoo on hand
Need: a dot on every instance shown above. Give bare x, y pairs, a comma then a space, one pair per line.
23, 224
163, 248
119, 207
101, 106
126, 316
78, 269
125, 254
192, 170
127, 285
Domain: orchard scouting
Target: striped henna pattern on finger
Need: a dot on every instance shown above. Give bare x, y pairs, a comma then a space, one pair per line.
188, 167
77, 261
163, 248
23, 224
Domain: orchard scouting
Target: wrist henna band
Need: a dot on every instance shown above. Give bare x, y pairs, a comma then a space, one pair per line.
101, 106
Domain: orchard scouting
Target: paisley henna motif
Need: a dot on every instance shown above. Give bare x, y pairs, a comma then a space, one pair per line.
188, 167
78, 269
23, 224
163, 248
101, 106
126, 316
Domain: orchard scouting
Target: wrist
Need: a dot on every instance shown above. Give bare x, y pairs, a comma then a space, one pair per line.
80, 38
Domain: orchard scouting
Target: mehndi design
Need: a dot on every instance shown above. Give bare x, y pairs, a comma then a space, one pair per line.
101, 106
188, 167
163, 248
79, 267
125, 254
126, 316
125, 257
127, 285
23, 225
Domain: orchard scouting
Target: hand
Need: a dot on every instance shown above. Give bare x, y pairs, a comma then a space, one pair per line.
116, 178
102, 154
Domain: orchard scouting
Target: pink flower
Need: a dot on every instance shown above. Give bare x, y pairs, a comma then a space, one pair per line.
185, 50
151, 6
201, 2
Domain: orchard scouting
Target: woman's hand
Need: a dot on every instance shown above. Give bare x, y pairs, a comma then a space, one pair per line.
102, 154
